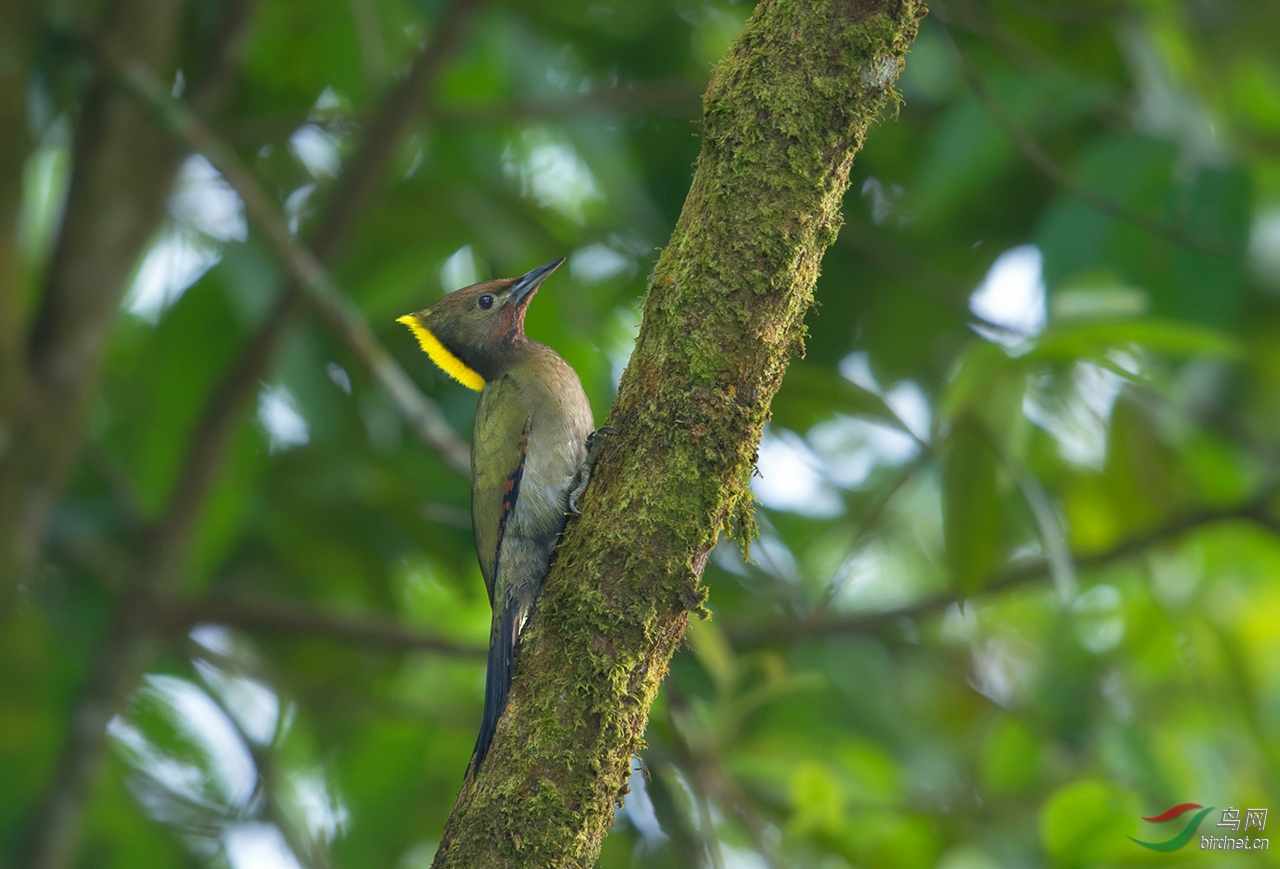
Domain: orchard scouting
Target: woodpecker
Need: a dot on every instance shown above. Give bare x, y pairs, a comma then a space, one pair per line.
532, 448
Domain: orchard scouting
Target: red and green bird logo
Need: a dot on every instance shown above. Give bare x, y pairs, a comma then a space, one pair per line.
1182, 837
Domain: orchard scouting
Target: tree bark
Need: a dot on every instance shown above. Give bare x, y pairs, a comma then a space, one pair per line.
784, 114
17, 21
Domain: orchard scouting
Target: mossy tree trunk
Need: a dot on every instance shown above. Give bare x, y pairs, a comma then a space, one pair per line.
785, 113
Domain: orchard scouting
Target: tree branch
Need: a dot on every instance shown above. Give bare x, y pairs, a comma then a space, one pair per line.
233, 394
705, 770
121, 173
1038, 157
423, 415
871, 518
933, 284
673, 96
272, 617
123, 169
750, 634
382, 136
785, 113
128, 646
17, 21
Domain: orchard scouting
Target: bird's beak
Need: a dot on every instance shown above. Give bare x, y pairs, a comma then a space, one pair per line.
526, 285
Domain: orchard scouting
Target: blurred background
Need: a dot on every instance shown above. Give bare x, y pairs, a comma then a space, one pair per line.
1018, 577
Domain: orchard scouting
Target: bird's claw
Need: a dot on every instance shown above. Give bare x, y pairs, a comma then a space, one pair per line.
583, 476
593, 441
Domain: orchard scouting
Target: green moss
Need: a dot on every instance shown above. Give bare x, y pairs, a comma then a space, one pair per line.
783, 116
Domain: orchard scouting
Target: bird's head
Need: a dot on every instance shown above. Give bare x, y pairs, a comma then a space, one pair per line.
473, 333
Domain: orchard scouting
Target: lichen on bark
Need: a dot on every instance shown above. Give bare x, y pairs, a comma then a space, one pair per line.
783, 116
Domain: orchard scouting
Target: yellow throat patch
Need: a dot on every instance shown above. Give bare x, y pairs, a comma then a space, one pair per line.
440, 355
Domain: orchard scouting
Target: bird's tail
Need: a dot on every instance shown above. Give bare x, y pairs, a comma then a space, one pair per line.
497, 683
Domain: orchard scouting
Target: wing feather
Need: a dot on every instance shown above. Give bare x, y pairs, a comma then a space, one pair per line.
499, 447
510, 494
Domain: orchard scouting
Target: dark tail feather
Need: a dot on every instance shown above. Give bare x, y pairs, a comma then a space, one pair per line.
497, 681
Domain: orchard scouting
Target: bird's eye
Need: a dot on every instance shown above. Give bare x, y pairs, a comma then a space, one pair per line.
485, 302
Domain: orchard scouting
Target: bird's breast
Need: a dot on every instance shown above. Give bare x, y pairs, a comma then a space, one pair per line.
549, 400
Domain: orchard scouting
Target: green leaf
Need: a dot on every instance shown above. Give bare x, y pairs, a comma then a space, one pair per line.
982, 364
1141, 175
890, 839
1088, 821
1011, 758
1142, 475
817, 799
968, 148
810, 394
1094, 340
871, 774
713, 650
970, 507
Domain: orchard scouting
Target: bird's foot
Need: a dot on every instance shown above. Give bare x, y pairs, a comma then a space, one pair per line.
595, 440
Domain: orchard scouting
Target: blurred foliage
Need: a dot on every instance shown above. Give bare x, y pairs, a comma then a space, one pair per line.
1017, 583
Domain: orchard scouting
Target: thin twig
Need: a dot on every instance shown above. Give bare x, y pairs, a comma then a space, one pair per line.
312, 278
221, 415
708, 777
696, 765
129, 644
1038, 157
752, 633
932, 284
218, 76
341, 314
872, 516
269, 616
309, 852
407, 102
731, 793
127, 647
674, 97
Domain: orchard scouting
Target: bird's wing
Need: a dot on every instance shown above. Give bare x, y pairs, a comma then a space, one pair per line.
499, 447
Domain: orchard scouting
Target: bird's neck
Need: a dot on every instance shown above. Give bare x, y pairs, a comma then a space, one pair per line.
528, 356
507, 354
